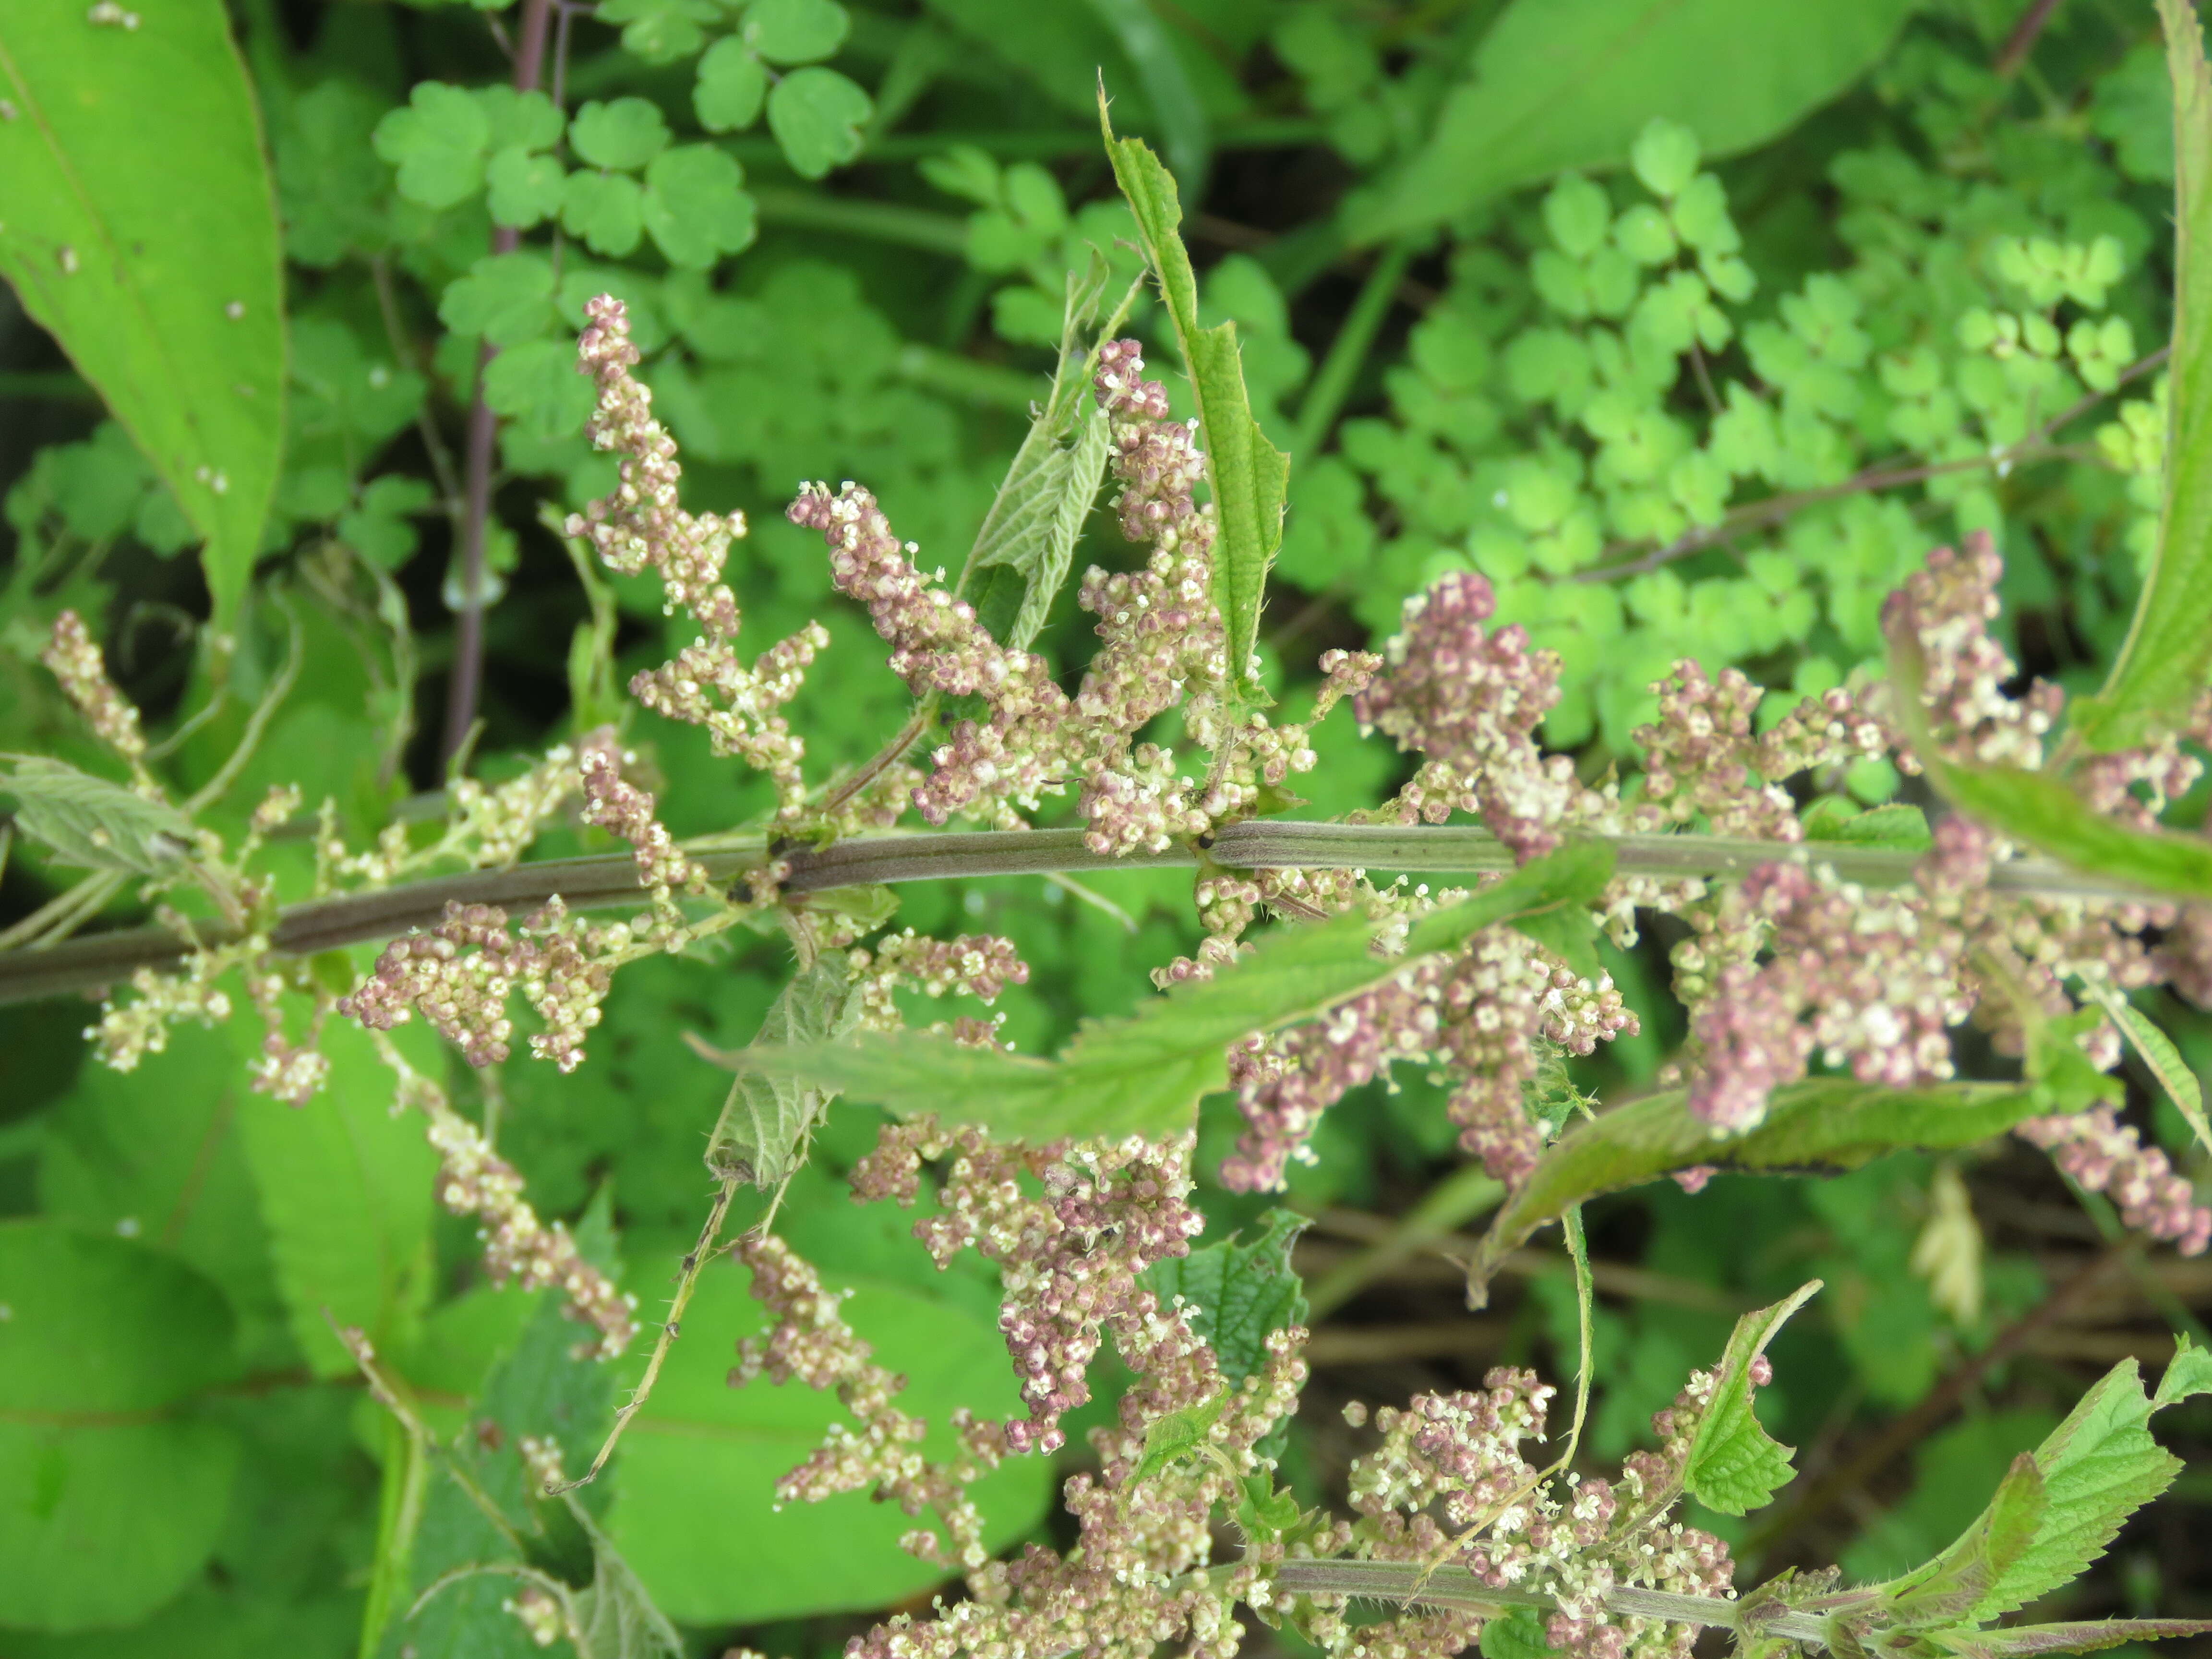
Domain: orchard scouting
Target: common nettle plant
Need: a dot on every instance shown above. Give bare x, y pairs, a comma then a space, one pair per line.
1839, 962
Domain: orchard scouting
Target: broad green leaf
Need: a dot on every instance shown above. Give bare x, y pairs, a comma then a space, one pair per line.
1518, 1634
1176, 1435
2098, 1467
90, 822
1029, 536
1248, 474
1947, 1588
1735, 1465
112, 1492
2159, 1056
816, 115
1825, 1124
154, 1154
1570, 83
2168, 658
346, 1192
1238, 1295
2045, 811
1145, 1074
696, 1515
767, 1122
170, 301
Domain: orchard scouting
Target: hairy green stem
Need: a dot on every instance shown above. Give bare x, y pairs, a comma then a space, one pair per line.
1409, 1582
610, 880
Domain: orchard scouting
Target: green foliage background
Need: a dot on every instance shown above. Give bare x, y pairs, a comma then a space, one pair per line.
1708, 388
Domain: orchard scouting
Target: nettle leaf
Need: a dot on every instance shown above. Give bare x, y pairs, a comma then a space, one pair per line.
1947, 1588
2098, 1467
1899, 825
796, 31
2159, 1056
816, 115
1029, 536
112, 1494
1824, 1124
1145, 1074
1735, 1465
621, 136
766, 1122
732, 86
2083, 1636
695, 208
505, 299
169, 299
2167, 657
90, 822
2189, 1372
1518, 1633
1570, 83
1238, 1295
1249, 474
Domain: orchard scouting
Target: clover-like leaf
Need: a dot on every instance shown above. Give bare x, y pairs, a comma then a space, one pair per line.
796, 31
695, 207
505, 299
523, 189
622, 135
437, 143
816, 115
607, 209
732, 85
536, 385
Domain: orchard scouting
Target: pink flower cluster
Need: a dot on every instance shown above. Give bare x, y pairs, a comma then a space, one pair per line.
624, 810
1942, 614
2107, 1157
643, 524
460, 975
73, 659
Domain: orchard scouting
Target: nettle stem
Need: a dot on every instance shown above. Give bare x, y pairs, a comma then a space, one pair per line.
611, 881
1409, 1582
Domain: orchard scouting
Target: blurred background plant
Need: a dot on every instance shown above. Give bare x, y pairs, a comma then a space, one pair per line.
1690, 327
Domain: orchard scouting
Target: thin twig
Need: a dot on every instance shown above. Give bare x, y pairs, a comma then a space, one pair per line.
2021, 42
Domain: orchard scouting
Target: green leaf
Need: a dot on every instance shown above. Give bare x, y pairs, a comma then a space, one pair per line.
2168, 658
795, 31
1038, 514
1249, 474
2083, 1636
1516, 1634
1570, 83
732, 86
506, 299
2159, 1056
2098, 1467
694, 207
437, 143
153, 1154
1945, 1589
1899, 825
1823, 1125
767, 1122
112, 1492
2189, 1372
523, 189
702, 1449
1735, 1465
1145, 1074
816, 115
661, 31
536, 385
169, 300
621, 136
1238, 1295
92, 824
345, 1190
2045, 812
1176, 1435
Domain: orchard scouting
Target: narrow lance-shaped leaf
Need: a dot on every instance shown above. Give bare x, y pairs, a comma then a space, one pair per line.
762, 1135
1825, 1124
2086, 1636
2159, 1056
169, 300
1027, 540
1249, 475
2168, 658
1734, 1465
1145, 1074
